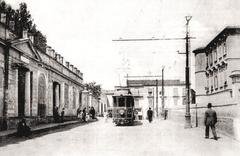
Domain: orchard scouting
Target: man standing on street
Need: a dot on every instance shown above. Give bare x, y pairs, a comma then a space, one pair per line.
149, 114
210, 120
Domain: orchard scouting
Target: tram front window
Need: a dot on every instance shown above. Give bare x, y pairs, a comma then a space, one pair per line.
121, 102
130, 102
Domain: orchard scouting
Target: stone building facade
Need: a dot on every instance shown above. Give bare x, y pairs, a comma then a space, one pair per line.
148, 93
32, 82
217, 76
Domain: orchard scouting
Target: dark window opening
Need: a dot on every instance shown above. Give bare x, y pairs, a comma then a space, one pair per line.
121, 102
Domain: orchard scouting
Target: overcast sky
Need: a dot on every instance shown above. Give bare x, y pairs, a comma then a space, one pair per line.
82, 32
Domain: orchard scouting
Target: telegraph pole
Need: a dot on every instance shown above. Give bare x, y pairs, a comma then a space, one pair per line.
163, 104
187, 115
157, 97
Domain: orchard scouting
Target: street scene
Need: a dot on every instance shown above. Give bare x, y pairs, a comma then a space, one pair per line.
117, 77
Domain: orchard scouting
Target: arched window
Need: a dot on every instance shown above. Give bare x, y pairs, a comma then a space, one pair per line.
41, 95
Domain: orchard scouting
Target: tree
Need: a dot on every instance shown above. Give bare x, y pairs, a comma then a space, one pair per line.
40, 41
3, 6
94, 89
23, 19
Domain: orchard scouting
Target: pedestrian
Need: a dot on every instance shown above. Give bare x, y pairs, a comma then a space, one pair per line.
62, 114
78, 112
84, 115
23, 129
210, 120
149, 114
90, 112
93, 113
165, 114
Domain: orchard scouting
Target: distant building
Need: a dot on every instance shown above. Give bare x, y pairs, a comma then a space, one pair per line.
217, 75
148, 93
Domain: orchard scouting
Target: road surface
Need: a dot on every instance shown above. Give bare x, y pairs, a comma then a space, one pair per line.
103, 138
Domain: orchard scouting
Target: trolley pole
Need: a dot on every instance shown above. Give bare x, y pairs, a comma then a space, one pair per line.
187, 115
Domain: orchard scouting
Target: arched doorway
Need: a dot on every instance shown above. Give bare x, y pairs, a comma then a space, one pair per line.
56, 95
41, 95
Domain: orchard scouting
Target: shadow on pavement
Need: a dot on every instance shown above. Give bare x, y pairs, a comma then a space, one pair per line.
17, 140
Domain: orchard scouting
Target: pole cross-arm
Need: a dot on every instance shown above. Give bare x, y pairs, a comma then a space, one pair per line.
151, 39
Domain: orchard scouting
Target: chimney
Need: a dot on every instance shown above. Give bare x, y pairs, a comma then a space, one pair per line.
48, 50
3, 18
75, 70
57, 57
78, 72
67, 64
25, 34
71, 67
61, 59
31, 37
12, 25
53, 53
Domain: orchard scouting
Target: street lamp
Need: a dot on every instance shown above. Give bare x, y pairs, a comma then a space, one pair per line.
187, 115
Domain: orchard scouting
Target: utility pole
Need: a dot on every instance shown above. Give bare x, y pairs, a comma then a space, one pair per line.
157, 97
187, 115
163, 102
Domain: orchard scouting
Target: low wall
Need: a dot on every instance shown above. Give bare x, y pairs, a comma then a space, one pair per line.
227, 118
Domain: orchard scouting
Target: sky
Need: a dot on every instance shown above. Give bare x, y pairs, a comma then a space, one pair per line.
82, 32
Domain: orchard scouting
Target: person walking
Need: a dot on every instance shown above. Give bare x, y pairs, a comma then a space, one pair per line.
93, 113
84, 115
78, 112
149, 114
210, 120
62, 114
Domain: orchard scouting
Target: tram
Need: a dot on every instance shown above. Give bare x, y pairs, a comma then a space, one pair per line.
123, 108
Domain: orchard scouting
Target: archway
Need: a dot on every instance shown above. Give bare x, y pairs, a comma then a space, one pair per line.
41, 95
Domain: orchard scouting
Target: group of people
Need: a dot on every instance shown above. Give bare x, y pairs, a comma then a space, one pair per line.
210, 120
82, 114
58, 117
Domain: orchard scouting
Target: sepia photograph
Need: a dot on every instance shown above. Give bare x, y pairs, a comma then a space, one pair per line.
119, 77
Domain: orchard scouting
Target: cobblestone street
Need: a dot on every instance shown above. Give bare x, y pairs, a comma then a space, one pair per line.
103, 138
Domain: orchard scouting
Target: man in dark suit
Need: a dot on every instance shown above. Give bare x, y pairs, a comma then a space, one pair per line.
149, 114
210, 120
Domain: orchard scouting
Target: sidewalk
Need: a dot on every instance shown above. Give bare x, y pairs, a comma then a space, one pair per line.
192, 141
4, 135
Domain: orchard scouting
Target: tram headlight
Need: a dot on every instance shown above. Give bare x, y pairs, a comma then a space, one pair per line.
121, 112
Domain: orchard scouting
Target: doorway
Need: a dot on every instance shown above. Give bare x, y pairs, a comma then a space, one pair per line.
56, 94
21, 91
